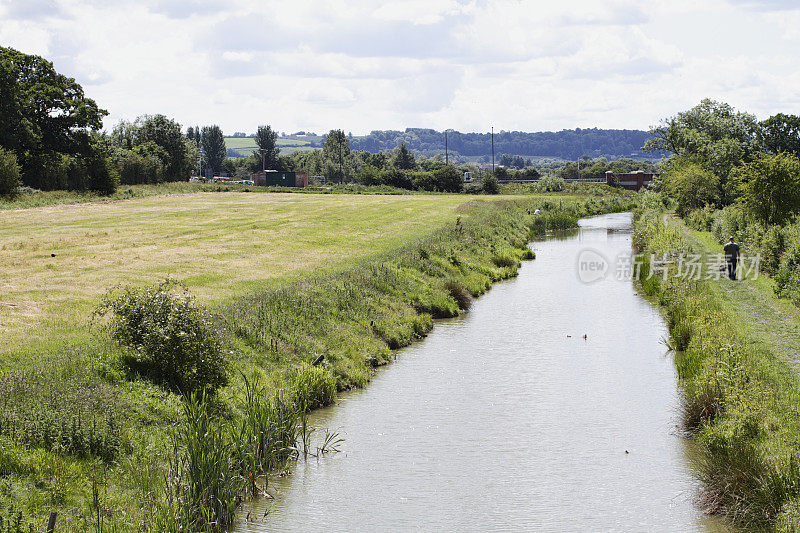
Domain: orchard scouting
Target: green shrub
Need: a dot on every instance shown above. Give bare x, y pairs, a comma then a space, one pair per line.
550, 184
773, 245
787, 278
770, 187
729, 222
9, 174
701, 219
490, 184
171, 341
691, 186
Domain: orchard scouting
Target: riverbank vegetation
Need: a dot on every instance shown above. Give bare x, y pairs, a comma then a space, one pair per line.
93, 425
732, 176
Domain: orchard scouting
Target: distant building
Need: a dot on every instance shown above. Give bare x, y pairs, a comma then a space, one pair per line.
276, 178
631, 180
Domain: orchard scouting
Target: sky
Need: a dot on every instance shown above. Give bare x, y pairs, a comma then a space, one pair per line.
369, 65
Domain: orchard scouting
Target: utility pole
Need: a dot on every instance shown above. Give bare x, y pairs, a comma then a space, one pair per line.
446, 155
492, 149
263, 159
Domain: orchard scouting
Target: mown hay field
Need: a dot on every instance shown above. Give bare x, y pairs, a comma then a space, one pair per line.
58, 261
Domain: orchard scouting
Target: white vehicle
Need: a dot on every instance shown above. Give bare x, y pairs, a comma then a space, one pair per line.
467, 177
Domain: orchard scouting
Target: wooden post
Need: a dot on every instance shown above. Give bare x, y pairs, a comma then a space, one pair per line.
51, 522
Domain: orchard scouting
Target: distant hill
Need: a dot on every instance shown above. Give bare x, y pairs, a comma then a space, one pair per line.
564, 144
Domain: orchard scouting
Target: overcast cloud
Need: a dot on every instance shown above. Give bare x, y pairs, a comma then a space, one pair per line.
468, 65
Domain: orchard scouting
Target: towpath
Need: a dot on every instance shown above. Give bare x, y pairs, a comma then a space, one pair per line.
772, 321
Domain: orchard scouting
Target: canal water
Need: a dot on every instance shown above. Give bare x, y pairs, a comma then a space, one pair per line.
508, 419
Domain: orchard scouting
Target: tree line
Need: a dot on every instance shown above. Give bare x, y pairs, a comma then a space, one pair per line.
51, 138
565, 144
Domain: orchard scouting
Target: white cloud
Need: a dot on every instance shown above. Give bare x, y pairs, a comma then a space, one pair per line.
465, 64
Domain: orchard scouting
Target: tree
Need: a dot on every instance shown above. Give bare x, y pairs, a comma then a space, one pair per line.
44, 116
711, 134
42, 109
9, 174
781, 133
213, 143
336, 151
691, 185
770, 187
267, 154
166, 133
404, 159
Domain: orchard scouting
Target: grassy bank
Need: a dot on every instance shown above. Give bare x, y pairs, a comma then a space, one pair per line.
87, 434
741, 391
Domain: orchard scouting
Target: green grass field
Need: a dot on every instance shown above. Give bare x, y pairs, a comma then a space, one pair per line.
245, 146
218, 244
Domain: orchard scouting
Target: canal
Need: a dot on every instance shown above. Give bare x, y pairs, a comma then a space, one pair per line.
509, 419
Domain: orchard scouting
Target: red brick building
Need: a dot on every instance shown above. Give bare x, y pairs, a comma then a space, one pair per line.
631, 180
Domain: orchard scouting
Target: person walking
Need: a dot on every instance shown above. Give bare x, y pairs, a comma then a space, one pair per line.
731, 257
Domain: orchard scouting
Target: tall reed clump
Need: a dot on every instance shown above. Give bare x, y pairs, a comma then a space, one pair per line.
204, 484
265, 438
740, 399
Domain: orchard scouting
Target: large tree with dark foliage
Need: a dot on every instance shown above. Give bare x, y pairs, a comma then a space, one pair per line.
336, 152
267, 153
48, 122
213, 143
781, 133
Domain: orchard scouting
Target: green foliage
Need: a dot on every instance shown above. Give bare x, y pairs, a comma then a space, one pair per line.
403, 158
170, 340
740, 398
443, 179
773, 244
712, 135
770, 187
701, 219
514, 161
565, 144
75, 416
336, 153
691, 186
204, 484
140, 165
166, 134
550, 183
311, 386
787, 278
9, 174
213, 143
42, 110
729, 222
781, 133
268, 151
490, 184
